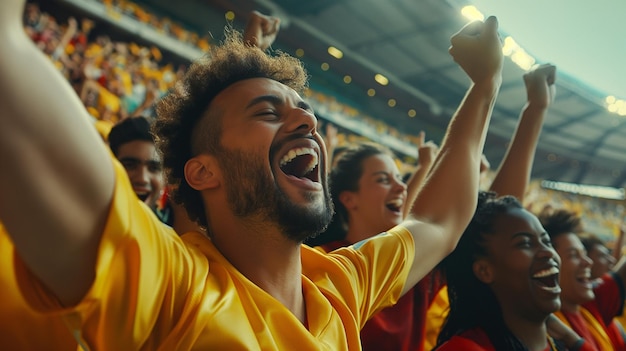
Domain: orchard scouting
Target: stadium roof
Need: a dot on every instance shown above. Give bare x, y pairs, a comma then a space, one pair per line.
407, 42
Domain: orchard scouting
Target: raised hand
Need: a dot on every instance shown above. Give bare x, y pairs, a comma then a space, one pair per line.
426, 150
540, 87
478, 50
331, 136
560, 331
261, 30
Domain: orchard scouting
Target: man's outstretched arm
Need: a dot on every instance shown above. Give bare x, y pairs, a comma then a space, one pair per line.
57, 178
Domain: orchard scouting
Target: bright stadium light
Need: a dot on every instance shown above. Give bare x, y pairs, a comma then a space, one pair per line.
382, 80
472, 13
604, 192
334, 52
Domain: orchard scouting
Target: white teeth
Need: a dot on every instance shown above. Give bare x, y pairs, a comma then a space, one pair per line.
546, 272
552, 289
293, 153
396, 203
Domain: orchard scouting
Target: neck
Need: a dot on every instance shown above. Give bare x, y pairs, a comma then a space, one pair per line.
265, 256
568, 306
360, 230
532, 333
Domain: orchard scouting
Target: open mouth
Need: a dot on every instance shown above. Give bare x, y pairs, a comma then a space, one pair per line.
301, 162
143, 196
395, 205
585, 279
548, 279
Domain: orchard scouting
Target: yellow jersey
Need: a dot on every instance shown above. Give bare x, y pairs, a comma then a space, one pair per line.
155, 290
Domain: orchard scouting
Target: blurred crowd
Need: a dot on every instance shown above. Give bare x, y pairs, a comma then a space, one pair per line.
117, 79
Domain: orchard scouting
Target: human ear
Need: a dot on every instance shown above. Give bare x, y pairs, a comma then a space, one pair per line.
483, 270
347, 198
201, 172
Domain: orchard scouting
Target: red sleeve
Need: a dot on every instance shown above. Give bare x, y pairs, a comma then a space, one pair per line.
609, 300
586, 346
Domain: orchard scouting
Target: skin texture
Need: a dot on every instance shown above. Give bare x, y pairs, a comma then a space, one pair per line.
380, 184
603, 260
575, 271
517, 250
520, 248
271, 121
261, 30
513, 175
143, 166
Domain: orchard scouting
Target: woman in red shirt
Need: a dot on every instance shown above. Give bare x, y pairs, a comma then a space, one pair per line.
503, 284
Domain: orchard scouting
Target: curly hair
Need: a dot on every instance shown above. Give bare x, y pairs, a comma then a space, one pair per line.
561, 221
472, 302
178, 132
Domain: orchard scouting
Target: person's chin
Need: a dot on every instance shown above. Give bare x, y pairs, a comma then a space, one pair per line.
151, 202
395, 219
589, 296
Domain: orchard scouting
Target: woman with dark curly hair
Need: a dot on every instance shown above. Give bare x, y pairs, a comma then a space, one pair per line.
503, 283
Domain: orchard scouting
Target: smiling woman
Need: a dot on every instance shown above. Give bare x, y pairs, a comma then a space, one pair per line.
369, 198
367, 193
502, 281
589, 309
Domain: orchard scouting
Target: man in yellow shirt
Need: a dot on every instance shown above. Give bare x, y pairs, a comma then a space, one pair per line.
242, 147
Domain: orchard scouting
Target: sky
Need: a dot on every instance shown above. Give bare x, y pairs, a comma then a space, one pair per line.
585, 39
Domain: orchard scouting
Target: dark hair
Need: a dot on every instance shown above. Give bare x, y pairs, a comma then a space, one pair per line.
344, 176
179, 134
129, 129
590, 241
472, 302
559, 222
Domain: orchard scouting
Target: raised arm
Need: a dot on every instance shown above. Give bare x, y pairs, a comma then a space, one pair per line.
57, 178
447, 200
619, 243
72, 27
261, 30
620, 266
427, 151
513, 175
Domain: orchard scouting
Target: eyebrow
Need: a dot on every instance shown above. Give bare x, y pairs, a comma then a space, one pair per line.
380, 173
265, 98
530, 235
385, 173
524, 234
273, 99
137, 160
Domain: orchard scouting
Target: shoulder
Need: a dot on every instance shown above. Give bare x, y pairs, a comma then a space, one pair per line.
472, 340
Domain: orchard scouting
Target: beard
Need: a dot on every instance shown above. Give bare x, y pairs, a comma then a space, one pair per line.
252, 192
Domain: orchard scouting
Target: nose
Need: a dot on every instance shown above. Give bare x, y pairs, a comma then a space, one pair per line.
587, 261
547, 252
302, 121
142, 175
611, 260
399, 185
